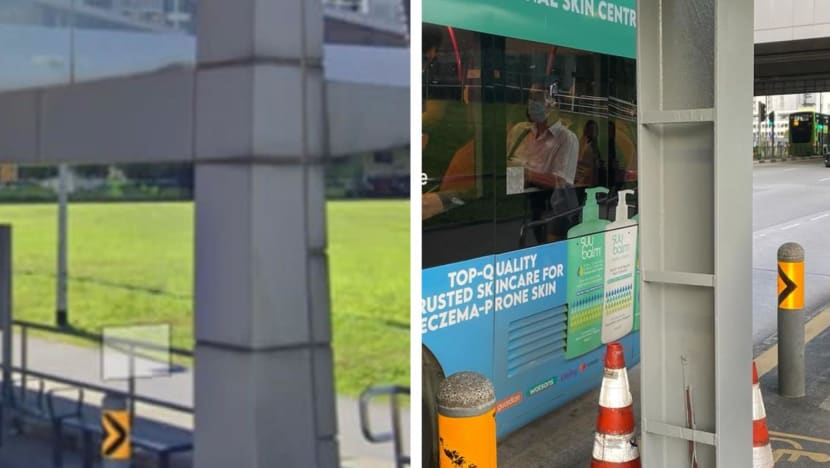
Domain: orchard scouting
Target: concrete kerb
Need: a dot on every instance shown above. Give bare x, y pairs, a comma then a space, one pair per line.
775, 160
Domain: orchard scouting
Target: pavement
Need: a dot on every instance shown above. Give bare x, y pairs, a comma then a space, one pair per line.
83, 364
563, 438
791, 203
799, 427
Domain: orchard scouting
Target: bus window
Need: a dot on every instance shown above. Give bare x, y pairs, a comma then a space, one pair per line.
556, 123
622, 125
455, 180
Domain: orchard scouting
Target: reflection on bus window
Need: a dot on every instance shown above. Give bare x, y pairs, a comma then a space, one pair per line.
556, 109
451, 69
514, 132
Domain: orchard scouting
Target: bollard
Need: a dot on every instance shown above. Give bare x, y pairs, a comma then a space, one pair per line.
115, 443
467, 421
791, 320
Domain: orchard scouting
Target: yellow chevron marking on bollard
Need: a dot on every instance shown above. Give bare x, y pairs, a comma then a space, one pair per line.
791, 285
116, 443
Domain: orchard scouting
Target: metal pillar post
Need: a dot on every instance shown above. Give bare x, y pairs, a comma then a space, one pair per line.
264, 363
61, 316
695, 193
6, 316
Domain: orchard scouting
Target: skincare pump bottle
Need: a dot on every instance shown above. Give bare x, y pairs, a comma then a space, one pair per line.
620, 268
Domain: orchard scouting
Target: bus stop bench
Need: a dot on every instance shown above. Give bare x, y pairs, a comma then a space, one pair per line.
20, 407
90, 431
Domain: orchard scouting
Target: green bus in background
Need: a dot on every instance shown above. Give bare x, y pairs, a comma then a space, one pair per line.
809, 133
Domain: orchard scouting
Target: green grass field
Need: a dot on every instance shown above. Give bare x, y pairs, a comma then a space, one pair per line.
133, 263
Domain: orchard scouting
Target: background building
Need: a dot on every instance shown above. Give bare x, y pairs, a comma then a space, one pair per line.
60, 42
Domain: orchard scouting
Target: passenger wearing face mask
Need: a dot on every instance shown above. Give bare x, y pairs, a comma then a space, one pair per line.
549, 153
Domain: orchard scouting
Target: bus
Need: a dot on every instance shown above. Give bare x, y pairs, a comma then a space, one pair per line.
809, 133
529, 200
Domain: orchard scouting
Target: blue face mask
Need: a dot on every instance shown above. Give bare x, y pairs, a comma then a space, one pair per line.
536, 111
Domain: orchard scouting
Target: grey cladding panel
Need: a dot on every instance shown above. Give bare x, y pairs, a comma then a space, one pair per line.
688, 54
366, 117
144, 118
688, 198
18, 126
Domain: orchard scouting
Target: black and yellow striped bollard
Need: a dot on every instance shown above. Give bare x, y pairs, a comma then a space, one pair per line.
791, 320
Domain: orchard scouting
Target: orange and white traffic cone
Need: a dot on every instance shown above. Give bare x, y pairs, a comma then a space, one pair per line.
615, 445
761, 449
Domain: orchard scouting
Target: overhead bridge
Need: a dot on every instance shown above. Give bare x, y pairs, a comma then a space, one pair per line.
792, 47
789, 67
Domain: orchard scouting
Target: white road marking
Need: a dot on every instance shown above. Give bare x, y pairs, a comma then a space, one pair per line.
819, 217
790, 226
824, 179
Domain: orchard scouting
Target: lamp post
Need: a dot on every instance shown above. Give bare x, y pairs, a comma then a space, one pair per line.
61, 302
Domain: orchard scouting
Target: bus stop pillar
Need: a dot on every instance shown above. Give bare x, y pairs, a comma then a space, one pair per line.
694, 74
6, 318
264, 387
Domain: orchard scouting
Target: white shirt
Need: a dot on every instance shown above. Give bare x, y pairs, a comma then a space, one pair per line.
556, 153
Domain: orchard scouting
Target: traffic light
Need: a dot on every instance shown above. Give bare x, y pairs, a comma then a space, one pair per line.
762, 112
772, 118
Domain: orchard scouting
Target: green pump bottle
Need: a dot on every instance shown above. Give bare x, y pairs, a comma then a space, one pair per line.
586, 278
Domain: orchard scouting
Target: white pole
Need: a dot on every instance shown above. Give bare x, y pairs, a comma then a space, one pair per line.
61, 318
176, 14
72, 43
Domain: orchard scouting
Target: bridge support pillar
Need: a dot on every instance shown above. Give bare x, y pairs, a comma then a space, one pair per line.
694, 73
264, 372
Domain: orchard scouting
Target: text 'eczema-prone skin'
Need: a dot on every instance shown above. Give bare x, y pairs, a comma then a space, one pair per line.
474, 292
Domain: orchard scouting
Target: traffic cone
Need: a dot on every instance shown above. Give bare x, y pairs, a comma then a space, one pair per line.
761, 449
615, 445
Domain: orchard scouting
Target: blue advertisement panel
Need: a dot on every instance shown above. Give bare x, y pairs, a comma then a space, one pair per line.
530, 279
457, 310
512, 318
530, 328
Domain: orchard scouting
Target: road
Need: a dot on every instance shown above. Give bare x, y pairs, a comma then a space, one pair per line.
791, 203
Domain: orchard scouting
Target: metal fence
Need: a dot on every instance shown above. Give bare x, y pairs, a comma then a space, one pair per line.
136, 349
768, 152
133, 350
394, 435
